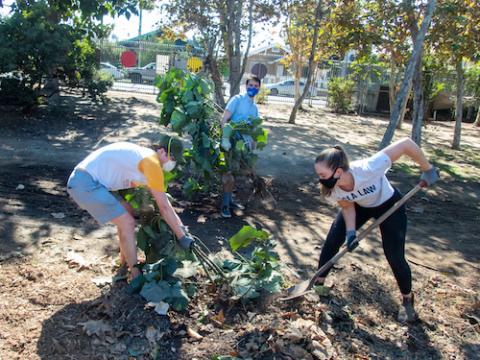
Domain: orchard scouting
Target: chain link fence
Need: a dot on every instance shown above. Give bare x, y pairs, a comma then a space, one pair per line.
134, 66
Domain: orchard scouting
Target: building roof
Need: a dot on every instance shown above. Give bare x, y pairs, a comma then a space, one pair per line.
157, 33
263, 48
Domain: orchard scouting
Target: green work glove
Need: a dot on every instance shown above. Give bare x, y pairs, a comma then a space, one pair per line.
226, 135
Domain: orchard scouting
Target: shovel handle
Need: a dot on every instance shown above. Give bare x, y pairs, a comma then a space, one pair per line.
367, 231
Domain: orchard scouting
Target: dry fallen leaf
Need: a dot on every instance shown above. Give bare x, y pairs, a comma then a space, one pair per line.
76, 260
160, 308
218, 319
202, 219
153, 335
290, 315
102, 280
59, 215
96, 327
193, 334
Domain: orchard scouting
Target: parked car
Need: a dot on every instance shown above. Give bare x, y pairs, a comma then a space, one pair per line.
112, 70
144, 73
286, 87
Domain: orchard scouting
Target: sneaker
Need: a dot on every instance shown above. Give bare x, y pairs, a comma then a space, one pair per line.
236, 206
225, 212
406, 313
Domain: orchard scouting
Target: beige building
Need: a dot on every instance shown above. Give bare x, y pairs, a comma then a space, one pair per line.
269, 55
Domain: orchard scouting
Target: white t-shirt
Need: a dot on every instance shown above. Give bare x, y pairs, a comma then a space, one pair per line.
371, 187
124, 165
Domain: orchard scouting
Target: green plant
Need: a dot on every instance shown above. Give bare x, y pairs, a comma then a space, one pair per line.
262, 96
340, 93
250, 277
235, 135
187, 107
38, 46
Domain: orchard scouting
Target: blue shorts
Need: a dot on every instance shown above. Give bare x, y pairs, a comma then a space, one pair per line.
92, 196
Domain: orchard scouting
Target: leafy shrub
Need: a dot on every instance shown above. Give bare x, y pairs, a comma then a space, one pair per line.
38, 46
187, 107
340, 93
260, 273
262, 96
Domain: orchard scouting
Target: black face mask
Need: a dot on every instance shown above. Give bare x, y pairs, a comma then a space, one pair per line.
330, 182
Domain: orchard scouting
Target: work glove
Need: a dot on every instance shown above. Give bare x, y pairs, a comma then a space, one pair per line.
186, 241
430, 176
350, 240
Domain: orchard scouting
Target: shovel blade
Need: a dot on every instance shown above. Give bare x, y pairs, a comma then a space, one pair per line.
297, 291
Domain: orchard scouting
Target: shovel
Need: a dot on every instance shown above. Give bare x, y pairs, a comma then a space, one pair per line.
304, 287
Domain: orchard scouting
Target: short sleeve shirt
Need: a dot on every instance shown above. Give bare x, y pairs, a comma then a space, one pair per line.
124, 165
242, 107
371, 187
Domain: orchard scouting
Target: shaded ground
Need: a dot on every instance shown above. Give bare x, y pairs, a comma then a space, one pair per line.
51, 309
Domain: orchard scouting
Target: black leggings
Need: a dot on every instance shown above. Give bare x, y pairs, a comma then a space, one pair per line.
393, 231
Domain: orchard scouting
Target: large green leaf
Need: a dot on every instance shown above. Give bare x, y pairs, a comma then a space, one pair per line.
193, 108
178, 298
244, 288
245, 236
178, 120
156, 291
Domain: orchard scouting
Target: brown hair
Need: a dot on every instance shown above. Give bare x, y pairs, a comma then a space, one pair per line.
335, 158
254, 78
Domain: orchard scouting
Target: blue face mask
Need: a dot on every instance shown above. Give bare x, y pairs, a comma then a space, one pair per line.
252, 91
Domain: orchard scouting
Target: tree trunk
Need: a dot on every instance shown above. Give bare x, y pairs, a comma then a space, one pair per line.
404, 109
211, 62
311, 63
298, 73
418, 104
459, 106
231, 27
249, 43
392, 84
392, 91
402, 96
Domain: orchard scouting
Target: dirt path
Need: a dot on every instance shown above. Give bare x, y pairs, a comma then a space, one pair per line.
45, 301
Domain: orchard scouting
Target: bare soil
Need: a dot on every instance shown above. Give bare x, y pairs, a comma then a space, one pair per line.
52, 253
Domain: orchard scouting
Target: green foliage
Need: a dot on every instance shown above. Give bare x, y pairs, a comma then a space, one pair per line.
245, 236
239, 138
472, 81
262, 96
187, 107
37, 45
249, 278
340, 93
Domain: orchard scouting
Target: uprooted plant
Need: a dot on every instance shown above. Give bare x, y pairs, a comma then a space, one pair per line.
257, 274
171, 275
187, 106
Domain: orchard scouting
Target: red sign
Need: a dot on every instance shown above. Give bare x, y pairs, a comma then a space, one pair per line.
128, 58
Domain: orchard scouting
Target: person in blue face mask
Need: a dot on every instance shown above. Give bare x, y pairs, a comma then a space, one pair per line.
239, 108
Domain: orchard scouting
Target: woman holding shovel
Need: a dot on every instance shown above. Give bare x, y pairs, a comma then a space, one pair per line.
362, 191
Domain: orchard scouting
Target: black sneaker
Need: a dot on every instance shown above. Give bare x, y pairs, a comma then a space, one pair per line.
406, 312
236, 206
225, 212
